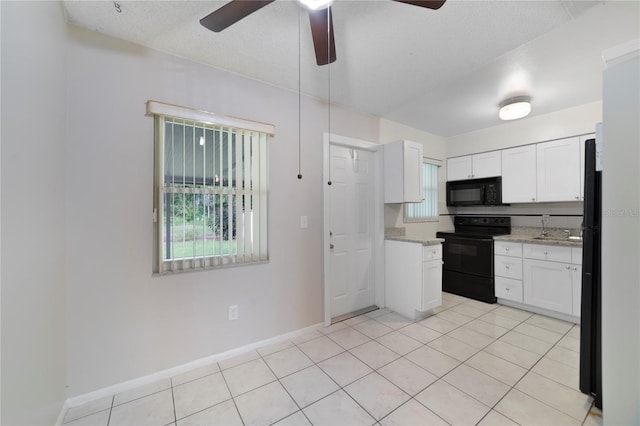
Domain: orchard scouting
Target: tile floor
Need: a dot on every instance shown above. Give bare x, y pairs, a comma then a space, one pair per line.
471, 363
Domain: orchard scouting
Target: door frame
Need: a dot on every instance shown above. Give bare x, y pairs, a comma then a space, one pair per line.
378, 202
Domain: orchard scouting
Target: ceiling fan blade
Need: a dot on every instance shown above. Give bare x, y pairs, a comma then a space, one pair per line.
429, 4
231, 13
322, 33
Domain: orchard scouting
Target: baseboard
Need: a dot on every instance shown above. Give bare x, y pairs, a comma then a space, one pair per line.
541, 311
170, 372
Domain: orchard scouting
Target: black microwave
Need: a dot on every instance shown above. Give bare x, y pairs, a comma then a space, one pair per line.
475, 192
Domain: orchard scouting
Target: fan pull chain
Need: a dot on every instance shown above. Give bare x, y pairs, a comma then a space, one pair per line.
299, 101
329, 84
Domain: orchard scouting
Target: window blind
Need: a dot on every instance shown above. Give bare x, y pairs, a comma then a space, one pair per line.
428, 208
212, 195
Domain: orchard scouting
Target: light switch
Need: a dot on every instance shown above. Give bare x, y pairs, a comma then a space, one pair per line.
304, 222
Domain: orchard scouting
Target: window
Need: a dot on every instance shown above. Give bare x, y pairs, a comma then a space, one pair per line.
211, 189
427, 210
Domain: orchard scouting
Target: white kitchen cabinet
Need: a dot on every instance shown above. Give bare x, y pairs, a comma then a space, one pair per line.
413, 277
576, 267
403, 181
576, 271
552, 277
508, 267
558, 170
509, 289
476, 166
486, 164
507, 264
582, 143
507, 248
519, 173
547, 252
459, 168
431, 285
548, 285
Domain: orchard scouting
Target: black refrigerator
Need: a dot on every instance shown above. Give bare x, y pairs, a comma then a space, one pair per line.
591, 309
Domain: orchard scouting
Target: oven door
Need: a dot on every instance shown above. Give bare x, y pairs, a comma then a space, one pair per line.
468, 255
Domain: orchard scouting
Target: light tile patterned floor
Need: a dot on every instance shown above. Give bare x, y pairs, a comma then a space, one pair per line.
471, 363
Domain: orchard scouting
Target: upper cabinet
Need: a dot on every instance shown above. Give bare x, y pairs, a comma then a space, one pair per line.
476, 166
519, 174
403, 181
558, 170
541, 172
582, 141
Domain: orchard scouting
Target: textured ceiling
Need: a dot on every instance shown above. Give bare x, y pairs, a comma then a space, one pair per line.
442, 71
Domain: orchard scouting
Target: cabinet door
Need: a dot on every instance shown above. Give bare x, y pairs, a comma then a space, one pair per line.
431, 284
487, 164
582, 141
577, 288
519, 174
413, 181
548, 285
403, 181
558, 170
459, 168
403, 276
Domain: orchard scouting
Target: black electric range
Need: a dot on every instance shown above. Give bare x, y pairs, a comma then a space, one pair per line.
468, 255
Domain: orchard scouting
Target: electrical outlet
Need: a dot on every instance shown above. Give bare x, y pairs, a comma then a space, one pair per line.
233, 312
545, 219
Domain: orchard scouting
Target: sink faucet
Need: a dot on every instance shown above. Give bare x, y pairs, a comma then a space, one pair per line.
567, 233
544, 231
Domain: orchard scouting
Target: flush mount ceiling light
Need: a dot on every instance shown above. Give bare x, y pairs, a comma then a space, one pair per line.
514, 108
316, 4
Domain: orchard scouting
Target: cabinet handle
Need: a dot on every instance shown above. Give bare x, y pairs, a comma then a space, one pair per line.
533, 199
575, 268
577, 197
506, 249
546, 253
507, 267
331, 246
568, 267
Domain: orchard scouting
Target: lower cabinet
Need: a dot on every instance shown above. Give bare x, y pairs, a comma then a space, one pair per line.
413, 277
541, 276
548, 285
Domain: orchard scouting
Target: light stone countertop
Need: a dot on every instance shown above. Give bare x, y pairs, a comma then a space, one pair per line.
413, 239
555, 237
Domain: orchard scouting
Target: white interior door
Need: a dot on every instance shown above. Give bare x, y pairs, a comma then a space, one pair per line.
351, 229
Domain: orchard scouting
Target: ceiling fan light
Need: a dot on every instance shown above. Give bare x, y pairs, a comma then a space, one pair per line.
514, 108
316, 4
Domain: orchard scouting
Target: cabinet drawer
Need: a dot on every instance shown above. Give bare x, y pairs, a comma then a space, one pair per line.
432, 252
504, 248
508, 267
509, 289
550, 253
576, 255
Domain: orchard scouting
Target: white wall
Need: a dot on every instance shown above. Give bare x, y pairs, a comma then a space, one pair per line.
621, 244
433, 147
579, 120
123, 323
32, 249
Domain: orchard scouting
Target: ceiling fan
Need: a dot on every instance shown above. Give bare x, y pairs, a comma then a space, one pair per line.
319, 18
